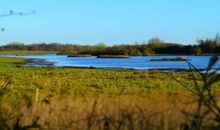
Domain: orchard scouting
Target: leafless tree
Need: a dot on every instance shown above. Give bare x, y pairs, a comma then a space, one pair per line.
12, 13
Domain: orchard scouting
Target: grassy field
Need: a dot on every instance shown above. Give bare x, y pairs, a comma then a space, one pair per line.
71, 98
27, 52
75, 82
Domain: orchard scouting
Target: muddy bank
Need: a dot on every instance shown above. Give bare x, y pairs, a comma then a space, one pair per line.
36, 63
172, 59
181, 69
113, 56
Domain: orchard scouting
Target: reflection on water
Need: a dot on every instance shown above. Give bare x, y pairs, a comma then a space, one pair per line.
134, 62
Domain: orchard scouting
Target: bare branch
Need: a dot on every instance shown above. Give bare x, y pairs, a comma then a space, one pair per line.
12, 13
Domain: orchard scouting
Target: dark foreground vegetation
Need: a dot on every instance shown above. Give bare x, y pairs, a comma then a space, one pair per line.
99, 99
154, 46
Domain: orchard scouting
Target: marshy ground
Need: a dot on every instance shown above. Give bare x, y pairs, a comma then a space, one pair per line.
71, 98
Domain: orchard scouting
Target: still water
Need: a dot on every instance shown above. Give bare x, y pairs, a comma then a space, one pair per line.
133, 62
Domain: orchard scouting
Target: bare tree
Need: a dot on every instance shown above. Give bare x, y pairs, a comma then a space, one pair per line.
12, 13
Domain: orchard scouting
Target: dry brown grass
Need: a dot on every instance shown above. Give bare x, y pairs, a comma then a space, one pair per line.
120, 113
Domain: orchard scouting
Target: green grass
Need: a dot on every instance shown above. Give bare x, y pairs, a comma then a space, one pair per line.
73, 82
4, 60
27, 52
8, 62
68, 96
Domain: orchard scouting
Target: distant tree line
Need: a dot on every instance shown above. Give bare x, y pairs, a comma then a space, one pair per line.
154, 46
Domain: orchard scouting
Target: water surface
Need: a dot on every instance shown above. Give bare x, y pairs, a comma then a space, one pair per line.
133, 62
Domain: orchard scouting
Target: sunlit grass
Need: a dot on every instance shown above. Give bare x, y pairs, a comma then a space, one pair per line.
22, 52
140, 99
73, 82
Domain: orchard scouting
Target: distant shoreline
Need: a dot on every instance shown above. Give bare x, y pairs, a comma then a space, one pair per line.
22, 53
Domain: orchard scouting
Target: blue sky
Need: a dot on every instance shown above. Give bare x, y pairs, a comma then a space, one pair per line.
110, 21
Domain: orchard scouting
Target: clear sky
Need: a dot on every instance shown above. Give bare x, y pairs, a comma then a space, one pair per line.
110, 21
